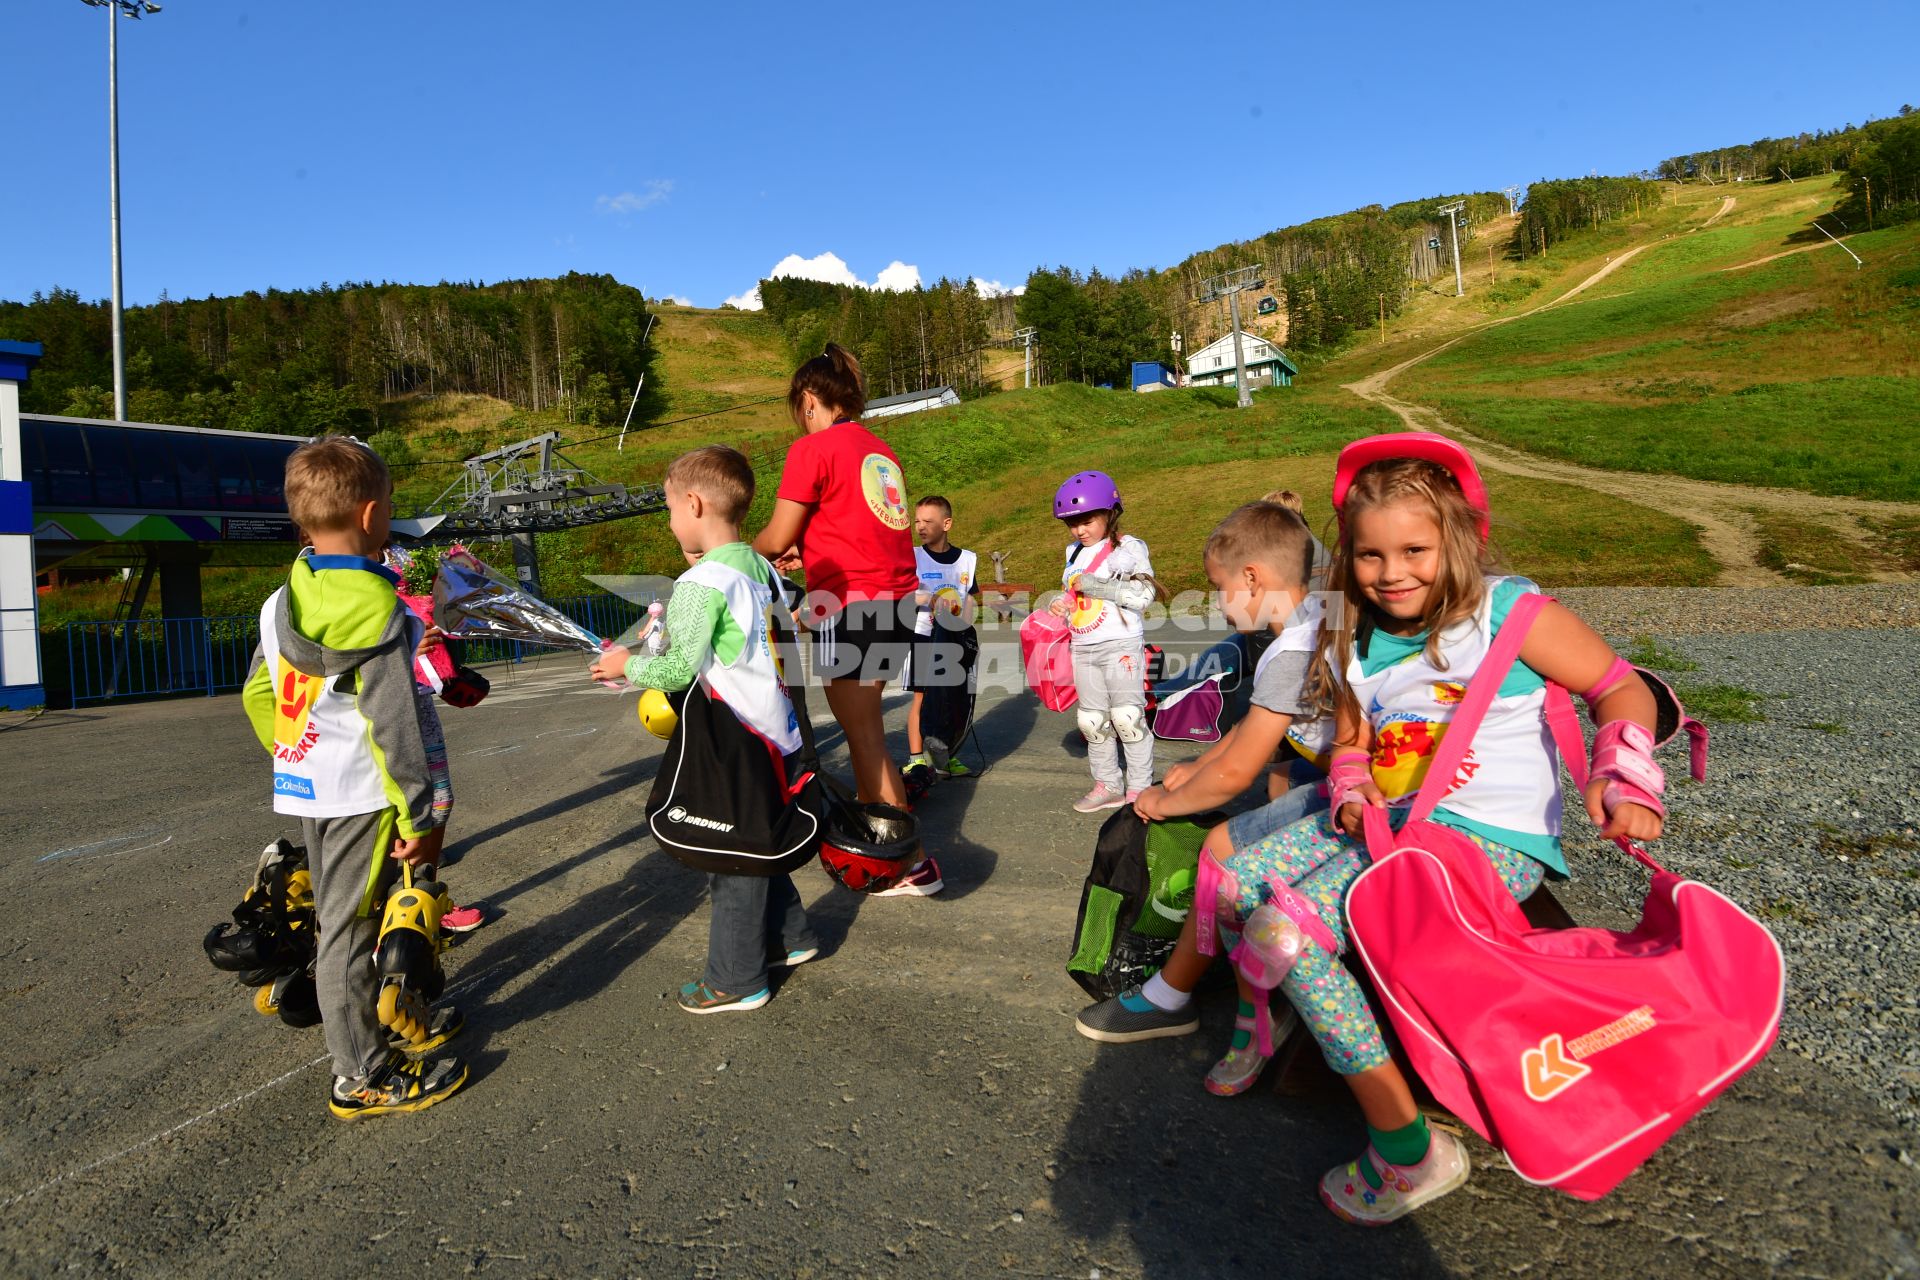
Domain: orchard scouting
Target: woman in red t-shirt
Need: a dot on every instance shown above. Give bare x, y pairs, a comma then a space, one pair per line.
841, 513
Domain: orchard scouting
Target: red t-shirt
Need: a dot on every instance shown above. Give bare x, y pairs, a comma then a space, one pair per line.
858, 541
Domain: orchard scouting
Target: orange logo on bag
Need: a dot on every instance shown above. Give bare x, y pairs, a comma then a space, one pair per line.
1555, 1067
1546, 1071
293, 736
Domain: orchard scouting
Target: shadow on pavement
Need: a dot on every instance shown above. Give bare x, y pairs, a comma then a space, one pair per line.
964, 865
1202, 1186
602, 932
626, 777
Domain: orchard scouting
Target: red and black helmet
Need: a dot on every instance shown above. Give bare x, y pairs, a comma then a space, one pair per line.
868, 847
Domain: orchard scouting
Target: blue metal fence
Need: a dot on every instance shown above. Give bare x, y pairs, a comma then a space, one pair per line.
157, 657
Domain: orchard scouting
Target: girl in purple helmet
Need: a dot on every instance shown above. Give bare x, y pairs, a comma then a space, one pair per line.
1108, 581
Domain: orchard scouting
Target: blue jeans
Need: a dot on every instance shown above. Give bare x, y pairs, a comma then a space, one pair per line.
1302, 797
752, 916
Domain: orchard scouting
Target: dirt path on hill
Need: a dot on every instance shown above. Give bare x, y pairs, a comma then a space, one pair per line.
1726, 207
1775, 257
1726, 514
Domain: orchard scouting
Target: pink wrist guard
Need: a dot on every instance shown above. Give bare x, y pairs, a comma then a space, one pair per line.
1623, 755
1346, 774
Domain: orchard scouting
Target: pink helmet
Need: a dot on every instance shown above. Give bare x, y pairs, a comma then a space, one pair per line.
1424, 445
1086, 492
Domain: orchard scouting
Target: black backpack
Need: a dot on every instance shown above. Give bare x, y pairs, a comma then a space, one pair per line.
1136, 898
725, 800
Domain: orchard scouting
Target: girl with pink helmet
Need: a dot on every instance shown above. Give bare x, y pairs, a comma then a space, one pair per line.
1108, 581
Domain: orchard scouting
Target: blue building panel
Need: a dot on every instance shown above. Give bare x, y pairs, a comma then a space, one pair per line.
1148, 372
16, 506
17, 359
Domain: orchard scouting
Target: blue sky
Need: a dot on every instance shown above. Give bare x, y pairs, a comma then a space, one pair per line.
687, 149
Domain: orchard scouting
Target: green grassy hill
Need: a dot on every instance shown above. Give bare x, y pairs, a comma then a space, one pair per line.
1796, 371
1729, 344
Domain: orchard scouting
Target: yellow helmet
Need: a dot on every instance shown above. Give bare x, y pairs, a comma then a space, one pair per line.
657, 714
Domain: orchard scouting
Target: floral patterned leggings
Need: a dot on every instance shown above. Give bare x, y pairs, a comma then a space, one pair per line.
1321, 862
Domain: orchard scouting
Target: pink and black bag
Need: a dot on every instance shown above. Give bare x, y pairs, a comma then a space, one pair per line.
1578, 1052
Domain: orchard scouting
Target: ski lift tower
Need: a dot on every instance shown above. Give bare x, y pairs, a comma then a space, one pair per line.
1513, 198
1229, 285
516, 491
1453, 224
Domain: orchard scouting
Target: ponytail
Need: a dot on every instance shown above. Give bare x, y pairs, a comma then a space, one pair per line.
835, 380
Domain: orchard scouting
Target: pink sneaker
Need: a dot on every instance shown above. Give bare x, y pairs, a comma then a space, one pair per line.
922, 882
462, 919
1101, 797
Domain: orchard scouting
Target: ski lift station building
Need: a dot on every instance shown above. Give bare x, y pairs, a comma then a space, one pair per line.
912, 402
1267, 365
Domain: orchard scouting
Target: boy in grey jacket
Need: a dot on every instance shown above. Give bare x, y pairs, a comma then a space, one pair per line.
331, 696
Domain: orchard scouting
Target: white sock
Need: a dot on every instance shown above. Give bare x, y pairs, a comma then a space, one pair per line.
1164, 996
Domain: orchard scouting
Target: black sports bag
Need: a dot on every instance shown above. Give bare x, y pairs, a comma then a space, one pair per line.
725, 799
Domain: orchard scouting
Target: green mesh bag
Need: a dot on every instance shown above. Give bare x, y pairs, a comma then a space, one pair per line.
1136, 898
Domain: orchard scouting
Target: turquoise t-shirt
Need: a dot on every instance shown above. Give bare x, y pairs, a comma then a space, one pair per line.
1384, 650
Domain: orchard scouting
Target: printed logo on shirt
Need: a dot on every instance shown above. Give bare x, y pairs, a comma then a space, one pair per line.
1087, 610
885, 489
1448, 693
1402, 750
293, 734
292, 784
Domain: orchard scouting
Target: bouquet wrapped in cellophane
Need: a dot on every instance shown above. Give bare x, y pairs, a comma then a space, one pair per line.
471, 601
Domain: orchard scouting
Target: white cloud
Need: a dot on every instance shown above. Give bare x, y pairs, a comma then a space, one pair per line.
898, 277
994, 289
829, 268
657, 189
679, 301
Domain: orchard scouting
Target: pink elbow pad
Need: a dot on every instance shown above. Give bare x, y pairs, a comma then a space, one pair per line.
1607, 683
1623, 755
1346, 774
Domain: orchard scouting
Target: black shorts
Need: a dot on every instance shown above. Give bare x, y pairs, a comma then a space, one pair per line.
939, 660
867, 640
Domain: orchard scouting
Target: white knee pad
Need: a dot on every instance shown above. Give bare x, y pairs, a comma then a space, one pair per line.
1129, 723
1093, 725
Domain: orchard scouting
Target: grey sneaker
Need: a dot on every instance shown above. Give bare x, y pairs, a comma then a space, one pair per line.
1130, 1016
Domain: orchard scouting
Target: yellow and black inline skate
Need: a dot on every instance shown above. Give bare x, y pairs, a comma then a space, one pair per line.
408, 959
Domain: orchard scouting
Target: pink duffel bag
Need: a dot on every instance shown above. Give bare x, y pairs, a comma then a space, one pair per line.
1046, 651
1577, 1052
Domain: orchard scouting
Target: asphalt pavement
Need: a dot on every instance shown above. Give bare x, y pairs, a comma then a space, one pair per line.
914, 1103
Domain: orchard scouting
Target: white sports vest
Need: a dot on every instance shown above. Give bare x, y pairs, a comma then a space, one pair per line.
946, 583
1312, 738
322, 752
1509, 778
1098, 621
753, 687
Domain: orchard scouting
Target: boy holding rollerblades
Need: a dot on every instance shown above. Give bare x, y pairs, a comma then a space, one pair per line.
331, 696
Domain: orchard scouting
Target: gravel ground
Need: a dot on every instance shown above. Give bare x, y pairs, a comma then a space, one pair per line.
1637, 611
1810, 820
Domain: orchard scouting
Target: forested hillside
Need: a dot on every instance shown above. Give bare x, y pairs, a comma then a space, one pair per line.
1802, 156
1332, 275
304, 361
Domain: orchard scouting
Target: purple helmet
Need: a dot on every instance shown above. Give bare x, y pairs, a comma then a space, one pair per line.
1086, 492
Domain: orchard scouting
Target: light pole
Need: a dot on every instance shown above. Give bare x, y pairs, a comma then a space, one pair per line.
1453, 214
132, 9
